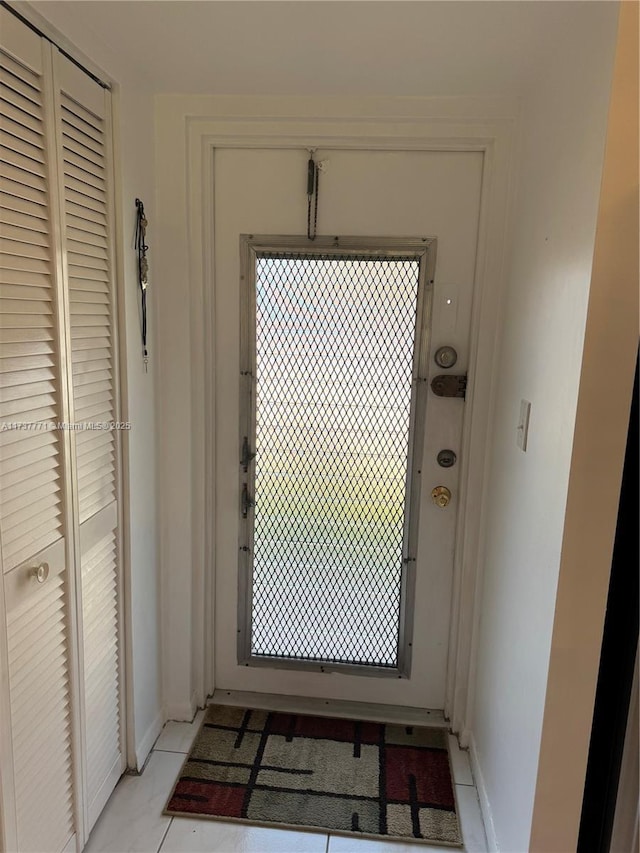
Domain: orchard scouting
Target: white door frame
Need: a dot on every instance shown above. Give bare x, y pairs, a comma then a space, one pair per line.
441, 124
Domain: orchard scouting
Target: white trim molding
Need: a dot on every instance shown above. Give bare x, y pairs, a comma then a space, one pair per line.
483, 797
189, 130
146, 742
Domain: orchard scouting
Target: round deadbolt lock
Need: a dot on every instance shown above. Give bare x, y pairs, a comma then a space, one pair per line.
446, 458
445, 357
441, 496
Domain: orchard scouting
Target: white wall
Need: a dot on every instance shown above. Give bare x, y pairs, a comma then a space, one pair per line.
602, 422
136, 125
136, 161
176, 429
553, 228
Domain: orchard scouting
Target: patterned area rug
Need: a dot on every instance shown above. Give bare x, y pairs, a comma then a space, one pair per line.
307, 772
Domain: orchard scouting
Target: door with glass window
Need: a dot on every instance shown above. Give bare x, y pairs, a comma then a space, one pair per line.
338, 441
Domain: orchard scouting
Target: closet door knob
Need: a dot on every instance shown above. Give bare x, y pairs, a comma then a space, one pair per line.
41, 572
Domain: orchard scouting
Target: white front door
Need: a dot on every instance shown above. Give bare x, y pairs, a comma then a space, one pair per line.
296, 645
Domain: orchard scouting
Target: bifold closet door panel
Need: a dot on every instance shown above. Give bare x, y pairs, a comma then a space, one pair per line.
37, 763
84, 151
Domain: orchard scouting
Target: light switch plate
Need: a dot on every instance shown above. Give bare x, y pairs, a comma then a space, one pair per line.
522, 432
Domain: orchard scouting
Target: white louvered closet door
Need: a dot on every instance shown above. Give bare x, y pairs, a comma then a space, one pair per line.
84, 150
61, 698
36, 717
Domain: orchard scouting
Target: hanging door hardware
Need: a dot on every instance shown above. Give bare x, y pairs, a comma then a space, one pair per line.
247, 455
246, 502
449, 385
313, 174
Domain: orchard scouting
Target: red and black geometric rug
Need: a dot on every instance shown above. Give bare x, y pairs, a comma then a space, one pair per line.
303, 772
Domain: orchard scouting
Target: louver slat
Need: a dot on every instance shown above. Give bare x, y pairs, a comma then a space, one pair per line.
76, 140
15, 133
24, 233
11, 203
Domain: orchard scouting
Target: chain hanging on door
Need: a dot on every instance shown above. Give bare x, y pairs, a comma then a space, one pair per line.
313, 174
140, 244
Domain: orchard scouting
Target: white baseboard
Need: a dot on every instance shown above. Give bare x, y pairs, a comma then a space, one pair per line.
485, 805
146, 742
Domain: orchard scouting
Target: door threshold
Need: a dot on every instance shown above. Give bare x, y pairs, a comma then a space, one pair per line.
374, 711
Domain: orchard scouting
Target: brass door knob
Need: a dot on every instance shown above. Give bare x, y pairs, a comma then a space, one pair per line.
441, 496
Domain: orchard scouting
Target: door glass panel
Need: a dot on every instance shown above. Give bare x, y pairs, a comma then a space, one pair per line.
334, 354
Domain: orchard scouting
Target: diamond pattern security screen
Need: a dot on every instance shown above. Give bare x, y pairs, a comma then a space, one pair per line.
334, 355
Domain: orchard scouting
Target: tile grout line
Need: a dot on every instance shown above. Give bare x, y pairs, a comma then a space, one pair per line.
164, 837
173, 751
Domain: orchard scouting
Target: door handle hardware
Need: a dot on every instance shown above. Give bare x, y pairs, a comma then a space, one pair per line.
247, 455
40, 573
247, 502
441, 496
449, 385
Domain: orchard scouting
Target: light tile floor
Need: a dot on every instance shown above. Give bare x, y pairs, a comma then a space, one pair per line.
133, 821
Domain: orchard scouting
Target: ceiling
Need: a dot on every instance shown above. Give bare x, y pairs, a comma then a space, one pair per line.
389, 47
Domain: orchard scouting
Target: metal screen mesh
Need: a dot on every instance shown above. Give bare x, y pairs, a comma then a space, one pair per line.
334, 357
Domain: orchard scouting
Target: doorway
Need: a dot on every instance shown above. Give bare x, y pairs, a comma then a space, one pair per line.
383, 195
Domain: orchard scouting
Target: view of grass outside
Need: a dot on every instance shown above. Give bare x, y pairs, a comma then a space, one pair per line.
334, 356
